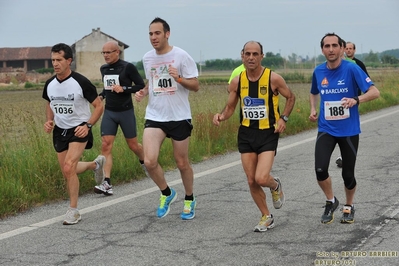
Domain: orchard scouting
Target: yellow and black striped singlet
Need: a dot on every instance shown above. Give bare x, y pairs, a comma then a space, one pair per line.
259, 106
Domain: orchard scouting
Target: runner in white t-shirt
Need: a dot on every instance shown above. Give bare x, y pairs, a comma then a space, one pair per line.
69, 96
171, 73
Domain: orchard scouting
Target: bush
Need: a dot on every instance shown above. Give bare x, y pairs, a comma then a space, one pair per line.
33, 86
45, 70
28, 85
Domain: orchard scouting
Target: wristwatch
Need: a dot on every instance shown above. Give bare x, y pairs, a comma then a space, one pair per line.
285, 118
89, 125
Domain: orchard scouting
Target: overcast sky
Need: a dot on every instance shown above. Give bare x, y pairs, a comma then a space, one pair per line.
207, 29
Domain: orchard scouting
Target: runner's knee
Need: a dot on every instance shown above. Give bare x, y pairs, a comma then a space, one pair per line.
321, 174
350, 183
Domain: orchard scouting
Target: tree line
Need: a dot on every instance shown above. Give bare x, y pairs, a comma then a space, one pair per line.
389, 58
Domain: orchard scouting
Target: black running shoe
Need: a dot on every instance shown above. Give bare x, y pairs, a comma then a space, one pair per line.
338, 161
348, 214
328, 215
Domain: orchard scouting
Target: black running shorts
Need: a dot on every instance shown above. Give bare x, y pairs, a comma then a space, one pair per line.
176, 130
62, 138
257, 140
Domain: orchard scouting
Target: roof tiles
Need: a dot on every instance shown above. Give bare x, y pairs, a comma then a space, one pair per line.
25, 53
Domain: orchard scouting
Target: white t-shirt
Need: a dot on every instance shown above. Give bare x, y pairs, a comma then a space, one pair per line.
168, 100
70, 99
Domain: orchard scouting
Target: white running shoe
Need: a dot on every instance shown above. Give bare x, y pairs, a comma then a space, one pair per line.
104, 188
278, 195
99, 173
72, 216
266, 222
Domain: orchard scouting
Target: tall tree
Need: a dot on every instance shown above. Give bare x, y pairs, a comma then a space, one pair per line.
372, 57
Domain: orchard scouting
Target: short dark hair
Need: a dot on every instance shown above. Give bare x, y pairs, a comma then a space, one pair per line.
343, 43
63, 47
260, 46
165, 24
340, 41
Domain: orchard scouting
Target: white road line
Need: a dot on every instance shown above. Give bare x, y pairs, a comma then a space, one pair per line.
108, 203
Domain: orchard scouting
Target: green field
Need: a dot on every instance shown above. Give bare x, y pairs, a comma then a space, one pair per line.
29, 171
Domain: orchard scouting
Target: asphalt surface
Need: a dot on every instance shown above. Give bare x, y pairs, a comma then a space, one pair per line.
124, 230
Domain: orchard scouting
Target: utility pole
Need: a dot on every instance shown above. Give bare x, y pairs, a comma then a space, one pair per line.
200, 63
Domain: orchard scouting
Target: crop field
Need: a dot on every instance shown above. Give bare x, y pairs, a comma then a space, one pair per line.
29, 171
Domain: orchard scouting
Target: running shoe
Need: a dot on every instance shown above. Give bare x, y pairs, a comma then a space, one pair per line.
348, 214
338, 161
164, 203
266, 222
72, 216
328, 215
278, 195
99, 173
189, 209
104, 188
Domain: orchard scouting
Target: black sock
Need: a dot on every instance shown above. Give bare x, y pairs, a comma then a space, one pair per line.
141, 162
108, 180
191, 197
166, 191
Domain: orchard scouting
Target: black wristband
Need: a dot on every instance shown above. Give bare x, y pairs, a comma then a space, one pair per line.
357, 100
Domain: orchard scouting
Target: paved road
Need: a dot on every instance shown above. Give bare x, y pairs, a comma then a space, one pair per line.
123, 229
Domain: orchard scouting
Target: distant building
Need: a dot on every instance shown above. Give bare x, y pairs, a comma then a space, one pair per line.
87, 53
26, 58
16, 64
87, 57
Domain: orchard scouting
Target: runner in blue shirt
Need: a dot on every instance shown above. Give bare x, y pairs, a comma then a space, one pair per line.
336, 84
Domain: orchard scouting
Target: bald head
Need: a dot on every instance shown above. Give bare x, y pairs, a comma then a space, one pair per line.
111, 52
111, 44
252, 43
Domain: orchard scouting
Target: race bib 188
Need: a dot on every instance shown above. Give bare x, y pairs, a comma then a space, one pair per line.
334, 110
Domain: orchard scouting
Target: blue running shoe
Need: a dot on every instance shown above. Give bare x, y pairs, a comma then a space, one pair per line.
164, 203
189, 209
